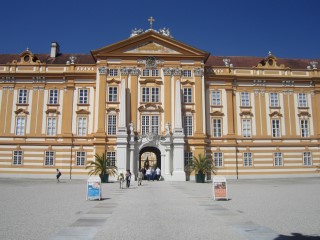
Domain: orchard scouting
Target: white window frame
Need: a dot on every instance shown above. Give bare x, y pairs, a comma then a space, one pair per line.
307, 159
112, 157
188, 125
51, 126
113, 94
23, 96
150, 123
113, 72
187, 95
216, 98
112, 124
217, 127
49, 158
304, 128
218, 159
245, 99
80, 158
278, 159
82, 122
20, 126
17, 157
186, 73
302, 100
150, 72
247, 159
188, 158
150, 94
275, 128
246, 127
274, 99
83, 96
53, 96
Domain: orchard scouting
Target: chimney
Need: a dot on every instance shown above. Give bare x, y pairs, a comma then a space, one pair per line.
54, 49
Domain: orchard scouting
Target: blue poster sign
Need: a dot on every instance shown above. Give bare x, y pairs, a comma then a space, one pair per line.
94, 188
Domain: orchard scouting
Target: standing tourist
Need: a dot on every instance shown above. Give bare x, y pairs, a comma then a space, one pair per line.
158, 172
58, 175
128, 178
148, 174
140, 177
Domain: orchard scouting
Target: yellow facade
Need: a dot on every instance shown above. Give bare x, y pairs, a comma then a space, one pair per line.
254, 117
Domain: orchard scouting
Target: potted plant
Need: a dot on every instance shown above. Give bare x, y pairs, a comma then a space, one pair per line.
201, 166
102, 166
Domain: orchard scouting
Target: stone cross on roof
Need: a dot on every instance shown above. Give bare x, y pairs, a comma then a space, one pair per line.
150, 20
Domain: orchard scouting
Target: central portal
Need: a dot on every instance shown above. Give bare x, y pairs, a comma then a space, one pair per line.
150, 157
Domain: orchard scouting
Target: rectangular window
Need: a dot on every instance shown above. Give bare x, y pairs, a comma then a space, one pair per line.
113, 72
186, 73
302, 98
245, 99
23, 96
217, 129
49, 158
113, 94
17, 157
83, 96
274, 99
152, 72
218, 160
188, 131
187, 95
51, 126
53, 96
112, 157
154, 94
247, 159
145, 124
277, 158
145, 94
20, 125
304, 126
112, 124
82, 126
307, 159
246, 127
275, 127
81, 158
188, 158
216, 98
155, 124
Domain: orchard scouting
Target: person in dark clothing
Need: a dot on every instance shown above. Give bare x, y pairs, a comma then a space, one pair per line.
58, 175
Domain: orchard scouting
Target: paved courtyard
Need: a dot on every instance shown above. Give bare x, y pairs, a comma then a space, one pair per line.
263, 209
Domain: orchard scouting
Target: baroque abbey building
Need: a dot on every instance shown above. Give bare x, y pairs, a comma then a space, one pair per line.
151, 97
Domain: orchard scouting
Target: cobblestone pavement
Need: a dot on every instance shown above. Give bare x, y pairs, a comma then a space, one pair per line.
261, 209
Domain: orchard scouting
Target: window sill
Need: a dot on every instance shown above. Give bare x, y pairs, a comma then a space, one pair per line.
22, 104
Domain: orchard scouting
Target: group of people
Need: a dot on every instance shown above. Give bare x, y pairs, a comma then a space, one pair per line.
143, 174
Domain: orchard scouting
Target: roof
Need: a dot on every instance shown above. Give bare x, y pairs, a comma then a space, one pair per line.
45, 58
249, 62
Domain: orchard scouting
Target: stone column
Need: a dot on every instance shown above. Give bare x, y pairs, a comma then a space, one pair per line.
199, 103
122, 135
178, 173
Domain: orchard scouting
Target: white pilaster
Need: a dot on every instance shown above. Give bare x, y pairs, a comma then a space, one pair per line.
178, 173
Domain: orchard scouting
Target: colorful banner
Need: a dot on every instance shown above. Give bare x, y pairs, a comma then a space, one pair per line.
94, 188
220, 188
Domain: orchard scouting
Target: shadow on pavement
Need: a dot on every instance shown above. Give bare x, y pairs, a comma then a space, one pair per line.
297, 236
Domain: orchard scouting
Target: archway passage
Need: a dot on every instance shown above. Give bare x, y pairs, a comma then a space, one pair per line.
150, 157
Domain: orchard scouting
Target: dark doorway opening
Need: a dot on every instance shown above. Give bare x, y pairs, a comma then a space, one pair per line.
150, 157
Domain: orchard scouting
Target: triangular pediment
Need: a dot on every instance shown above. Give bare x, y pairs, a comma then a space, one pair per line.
150, 43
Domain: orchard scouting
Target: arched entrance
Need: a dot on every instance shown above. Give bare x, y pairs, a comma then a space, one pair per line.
149, 156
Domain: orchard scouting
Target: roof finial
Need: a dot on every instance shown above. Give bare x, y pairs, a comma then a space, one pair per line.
150, 20
269, 53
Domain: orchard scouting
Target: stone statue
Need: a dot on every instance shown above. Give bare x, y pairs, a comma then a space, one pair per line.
131, 128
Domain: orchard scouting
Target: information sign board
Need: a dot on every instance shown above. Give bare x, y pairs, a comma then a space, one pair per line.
220, 188
94, 188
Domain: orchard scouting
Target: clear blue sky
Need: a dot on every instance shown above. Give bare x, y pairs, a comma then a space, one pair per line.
288, 28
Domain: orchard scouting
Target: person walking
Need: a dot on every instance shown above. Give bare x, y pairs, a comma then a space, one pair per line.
158, 173
153, 173
58, 175
148, 173
140, 177
128, 178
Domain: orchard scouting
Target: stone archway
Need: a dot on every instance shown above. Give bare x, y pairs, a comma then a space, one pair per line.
154, 158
